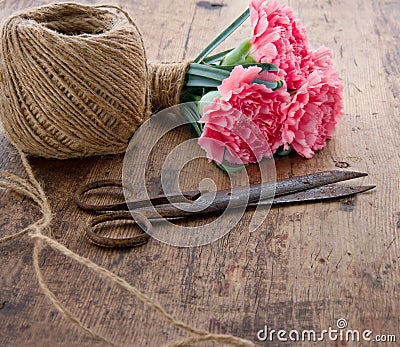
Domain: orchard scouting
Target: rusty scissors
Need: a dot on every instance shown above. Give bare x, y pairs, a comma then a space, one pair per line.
309, 188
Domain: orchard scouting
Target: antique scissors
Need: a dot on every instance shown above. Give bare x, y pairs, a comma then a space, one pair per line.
300, 189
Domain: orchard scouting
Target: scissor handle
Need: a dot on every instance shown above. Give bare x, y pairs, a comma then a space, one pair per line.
78, 196
104, 241
124, 206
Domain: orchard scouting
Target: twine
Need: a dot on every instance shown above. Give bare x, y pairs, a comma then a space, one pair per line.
75, 83
167, 80
75, 80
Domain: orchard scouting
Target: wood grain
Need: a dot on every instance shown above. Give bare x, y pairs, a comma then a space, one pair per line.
306, 267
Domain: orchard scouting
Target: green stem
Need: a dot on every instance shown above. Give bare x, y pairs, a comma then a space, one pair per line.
228, 168
221, 37
216, 57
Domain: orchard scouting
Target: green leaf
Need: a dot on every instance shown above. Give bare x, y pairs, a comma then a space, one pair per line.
221, 37
271, 85
216, 57
263, 66
200, 75
279, 85
198, 81
240, 55
228, 168
208, 71
192, 115
281, 152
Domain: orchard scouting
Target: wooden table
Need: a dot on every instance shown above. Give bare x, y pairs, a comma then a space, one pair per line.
305, 268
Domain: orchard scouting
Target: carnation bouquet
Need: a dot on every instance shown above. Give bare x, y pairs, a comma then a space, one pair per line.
272, 88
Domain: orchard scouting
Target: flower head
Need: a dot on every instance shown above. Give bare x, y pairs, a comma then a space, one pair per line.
313, 113
279, 38
316, 105
229, 135
227, 119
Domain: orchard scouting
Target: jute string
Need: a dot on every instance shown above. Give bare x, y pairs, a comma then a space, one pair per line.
167, 79
75, 82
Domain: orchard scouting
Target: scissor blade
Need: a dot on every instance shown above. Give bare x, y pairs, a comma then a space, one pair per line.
317, 194
300, 183
255, 193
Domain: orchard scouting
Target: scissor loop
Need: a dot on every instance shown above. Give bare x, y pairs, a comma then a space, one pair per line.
124, 206
78, 196
105, 241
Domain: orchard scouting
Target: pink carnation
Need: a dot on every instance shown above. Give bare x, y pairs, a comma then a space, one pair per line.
242, 103
247, 114
320, 59
229, 135
280, 39
317, 102
313, 113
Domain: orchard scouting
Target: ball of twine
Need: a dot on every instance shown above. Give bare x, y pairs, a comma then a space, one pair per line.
75, 81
